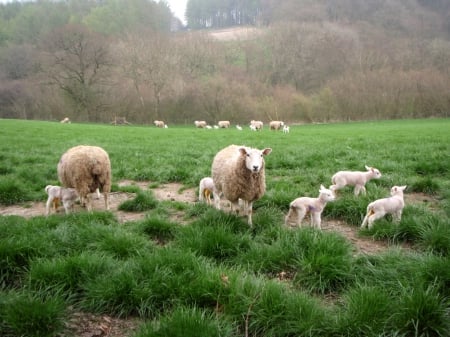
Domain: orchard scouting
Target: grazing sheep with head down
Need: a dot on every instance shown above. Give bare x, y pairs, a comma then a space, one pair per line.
224, 124
256, 125
56, 194
159, 124
86, 168
200, 124
238, 172
276, 125
205, 190
379, 208
354, 178
314, 206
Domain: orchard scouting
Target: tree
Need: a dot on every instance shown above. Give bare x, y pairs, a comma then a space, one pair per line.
78, 63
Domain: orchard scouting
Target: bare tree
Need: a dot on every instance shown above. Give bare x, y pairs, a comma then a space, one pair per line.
78, 63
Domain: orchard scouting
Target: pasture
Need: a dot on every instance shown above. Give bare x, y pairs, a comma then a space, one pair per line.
185, 269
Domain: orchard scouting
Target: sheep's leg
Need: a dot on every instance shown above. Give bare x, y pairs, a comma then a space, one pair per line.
48, 205
316, 220
292, 212
200, 195
375, 216
216, 196
87, 202
357, 189
249, 210
300, 215
105, 195
97, 191
207, 196
397, 216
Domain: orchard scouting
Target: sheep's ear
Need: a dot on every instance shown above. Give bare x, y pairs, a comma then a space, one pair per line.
266, 151
243, 151
402, 187
322, 188
368, 168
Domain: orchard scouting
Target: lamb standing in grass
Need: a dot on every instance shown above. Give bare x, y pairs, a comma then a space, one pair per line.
238, 172
354, 178
86, 168
67, 196
379, 208
206, 188
315, 206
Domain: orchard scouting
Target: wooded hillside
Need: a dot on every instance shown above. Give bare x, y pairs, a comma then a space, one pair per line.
298, 60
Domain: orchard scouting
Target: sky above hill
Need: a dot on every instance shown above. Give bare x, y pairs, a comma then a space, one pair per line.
178, 7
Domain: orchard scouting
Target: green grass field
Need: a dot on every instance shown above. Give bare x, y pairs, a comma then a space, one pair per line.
216, 276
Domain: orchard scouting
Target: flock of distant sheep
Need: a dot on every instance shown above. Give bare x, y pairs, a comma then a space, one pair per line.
238, 175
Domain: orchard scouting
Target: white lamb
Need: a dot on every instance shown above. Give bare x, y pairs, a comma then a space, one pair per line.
315, 206
258, 125
224, 124
285, 129
239, 173
205, 190
354, 178
239, 127
379, 208
67, 196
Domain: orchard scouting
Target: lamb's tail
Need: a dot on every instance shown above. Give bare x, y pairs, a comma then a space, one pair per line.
47, 188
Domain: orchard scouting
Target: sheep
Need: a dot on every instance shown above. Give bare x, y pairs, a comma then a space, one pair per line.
285, 129
238, 172
159, 124
239, 127
86, 168
379, 208
206, 187
354, 178
258, 125
215, 126
315, 206
66, 120
200, 124
252, 127
276, 125
56, 194
224, 124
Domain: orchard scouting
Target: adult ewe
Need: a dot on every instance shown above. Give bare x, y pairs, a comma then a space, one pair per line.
86, 168
238, 172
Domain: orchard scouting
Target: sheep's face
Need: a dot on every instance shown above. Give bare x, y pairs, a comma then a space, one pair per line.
326, 194
375, 172
254, 158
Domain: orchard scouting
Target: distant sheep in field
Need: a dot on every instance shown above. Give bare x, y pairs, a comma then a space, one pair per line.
86, 169
238, 172
257, 125
276, 125
252, 127
379, 208
159, 124
285, 129
65, 121
200, 124
215, 126
224, 124
354, 178
239, 127
67, 196
300, 207
206, 188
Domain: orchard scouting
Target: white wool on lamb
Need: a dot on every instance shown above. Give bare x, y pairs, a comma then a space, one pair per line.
379, 208
285, 129
57, 194
300, 207
239, 127
354, 178
238, 172
206, 188
256, 125
86, 169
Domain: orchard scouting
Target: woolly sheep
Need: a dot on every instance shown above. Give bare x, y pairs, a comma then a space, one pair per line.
200, 124
285, 129
315, 206
276, 125
86, 168
379, 208
67, 196
224, 124
238, 172
159, 124
66, 120
354, 178
258, 125
206, 188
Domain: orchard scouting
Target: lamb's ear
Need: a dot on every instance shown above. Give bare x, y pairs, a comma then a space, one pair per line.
368, 168
266, 151
402, 187
322, 188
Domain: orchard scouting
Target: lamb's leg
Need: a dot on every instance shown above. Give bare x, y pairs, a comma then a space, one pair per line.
375, 216
397, 216
48, 205
316, 220
301, 212
357, 189
249, 210
292, 212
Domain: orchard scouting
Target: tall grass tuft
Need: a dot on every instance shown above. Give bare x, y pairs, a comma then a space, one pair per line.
144, 201
12, 191
435, 236
187, 322
158, 229
426, 185
31, 314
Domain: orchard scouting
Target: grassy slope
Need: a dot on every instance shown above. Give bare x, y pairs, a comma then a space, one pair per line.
92, 263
